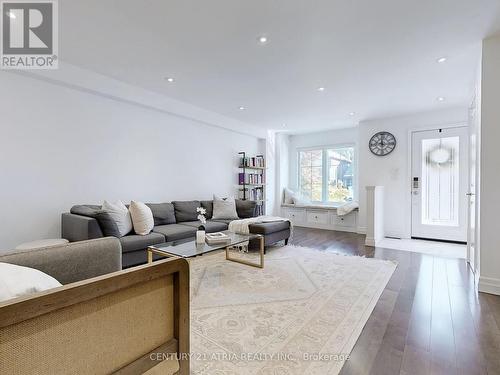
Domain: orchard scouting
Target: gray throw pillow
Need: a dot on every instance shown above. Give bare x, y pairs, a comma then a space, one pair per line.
245, 208
163, 213
224, 208
104, 219
186, 210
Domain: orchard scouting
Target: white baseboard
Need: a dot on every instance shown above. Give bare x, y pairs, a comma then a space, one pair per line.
326, 227
361, 230
489, 285
370, 241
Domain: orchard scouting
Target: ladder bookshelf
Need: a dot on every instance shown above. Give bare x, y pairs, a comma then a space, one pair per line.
252, 180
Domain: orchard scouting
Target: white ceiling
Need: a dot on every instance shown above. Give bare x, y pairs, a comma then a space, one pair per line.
375, 58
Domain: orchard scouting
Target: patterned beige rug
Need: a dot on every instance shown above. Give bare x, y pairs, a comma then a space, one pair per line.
301, 314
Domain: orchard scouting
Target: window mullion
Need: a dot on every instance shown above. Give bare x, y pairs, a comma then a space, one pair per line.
324, 173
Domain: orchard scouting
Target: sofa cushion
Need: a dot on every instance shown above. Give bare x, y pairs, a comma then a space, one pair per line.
134, 242
85, 209
163, 213
211, 226
225, 221
186, 210
209, 206
106, 223
174, 232
267, 228
245, 208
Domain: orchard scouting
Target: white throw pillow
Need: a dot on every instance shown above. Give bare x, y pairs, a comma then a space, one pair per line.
290, 196
142, 218
224, 209
17, 281
120, 215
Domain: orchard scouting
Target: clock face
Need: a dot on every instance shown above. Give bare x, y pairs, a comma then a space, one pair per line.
382, 143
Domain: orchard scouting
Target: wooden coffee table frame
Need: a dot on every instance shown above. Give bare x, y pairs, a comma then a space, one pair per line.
246, 262
260, 264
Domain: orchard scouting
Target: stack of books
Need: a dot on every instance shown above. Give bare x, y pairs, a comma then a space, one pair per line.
216, 238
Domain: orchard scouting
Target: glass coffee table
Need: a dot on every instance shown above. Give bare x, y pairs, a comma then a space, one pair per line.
189, 248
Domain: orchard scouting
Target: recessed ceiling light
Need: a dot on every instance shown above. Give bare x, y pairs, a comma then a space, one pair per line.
241, 108
263, 39
321, 89
441, 60
283, 125
440, 99
169, 79
11, 15
352, 113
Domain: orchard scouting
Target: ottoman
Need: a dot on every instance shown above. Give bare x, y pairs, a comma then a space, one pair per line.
273, 232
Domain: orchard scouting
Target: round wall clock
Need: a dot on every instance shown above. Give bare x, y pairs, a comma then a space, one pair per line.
382, 143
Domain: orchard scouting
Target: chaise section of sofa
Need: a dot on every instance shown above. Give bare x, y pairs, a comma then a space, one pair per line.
174, 221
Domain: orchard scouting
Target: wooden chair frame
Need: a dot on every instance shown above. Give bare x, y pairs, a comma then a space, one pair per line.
20, 309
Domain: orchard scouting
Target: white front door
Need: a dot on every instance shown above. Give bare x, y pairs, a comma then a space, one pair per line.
439, 184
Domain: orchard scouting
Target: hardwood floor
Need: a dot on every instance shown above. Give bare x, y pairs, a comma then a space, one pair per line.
429, 319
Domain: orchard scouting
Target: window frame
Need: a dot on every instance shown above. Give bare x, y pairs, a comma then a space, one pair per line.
326, 171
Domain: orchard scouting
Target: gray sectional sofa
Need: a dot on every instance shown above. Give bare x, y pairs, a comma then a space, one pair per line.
173, 222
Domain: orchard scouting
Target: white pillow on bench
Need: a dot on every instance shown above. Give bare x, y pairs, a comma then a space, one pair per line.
17, 281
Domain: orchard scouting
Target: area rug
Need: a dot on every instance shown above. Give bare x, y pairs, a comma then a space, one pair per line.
301, 314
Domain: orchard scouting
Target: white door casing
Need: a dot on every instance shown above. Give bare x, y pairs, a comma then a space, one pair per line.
472, 251
439, 184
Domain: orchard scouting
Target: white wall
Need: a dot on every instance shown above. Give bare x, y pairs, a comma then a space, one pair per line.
489, 280
60, 146
319, 139
271, 172
282, 169
392, 171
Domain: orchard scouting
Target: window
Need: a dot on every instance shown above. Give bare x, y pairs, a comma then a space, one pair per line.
327, 175
311, 174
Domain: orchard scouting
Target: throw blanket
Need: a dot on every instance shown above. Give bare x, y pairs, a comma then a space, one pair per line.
241, 226
347, 208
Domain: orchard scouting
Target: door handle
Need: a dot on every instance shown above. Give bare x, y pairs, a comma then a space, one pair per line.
470, 194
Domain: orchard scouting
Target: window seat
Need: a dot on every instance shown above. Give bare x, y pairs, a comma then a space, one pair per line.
311, 205
320, 216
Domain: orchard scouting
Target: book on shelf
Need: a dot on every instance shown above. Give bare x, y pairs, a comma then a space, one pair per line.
253, 162
251, 178
217, 237
259, 210
253, 194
